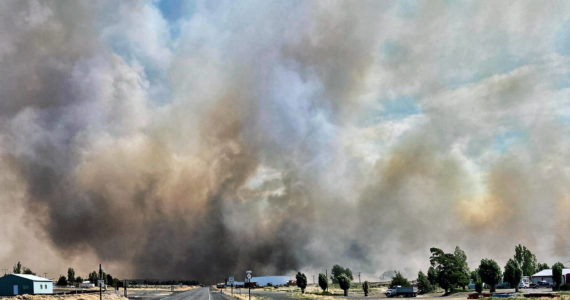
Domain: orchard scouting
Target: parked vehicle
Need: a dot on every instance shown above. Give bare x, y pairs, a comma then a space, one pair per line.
407, 291
525, 283
544, 284
533, 286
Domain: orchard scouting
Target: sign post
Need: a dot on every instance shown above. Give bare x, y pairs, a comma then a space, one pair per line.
248, 276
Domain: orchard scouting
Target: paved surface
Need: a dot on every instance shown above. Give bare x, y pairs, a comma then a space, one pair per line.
203, 293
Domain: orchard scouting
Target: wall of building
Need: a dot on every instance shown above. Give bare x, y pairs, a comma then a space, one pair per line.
536, 279
43, 287
7, 285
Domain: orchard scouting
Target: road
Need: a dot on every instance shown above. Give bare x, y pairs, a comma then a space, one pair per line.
203, 293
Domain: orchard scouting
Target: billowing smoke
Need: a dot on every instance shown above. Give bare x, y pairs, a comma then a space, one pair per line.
195, 140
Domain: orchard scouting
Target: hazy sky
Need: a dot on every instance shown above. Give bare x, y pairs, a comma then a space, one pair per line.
182, 139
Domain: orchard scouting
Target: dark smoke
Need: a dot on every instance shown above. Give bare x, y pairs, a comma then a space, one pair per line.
265, 136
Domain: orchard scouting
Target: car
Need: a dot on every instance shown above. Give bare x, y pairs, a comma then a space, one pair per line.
544, 284
533, 286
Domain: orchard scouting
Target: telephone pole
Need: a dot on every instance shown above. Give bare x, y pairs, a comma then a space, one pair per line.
359, 278
327, 276
100, 285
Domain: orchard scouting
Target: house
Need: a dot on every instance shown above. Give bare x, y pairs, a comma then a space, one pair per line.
546, 275
18, 284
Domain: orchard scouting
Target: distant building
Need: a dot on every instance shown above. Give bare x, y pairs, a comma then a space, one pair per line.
19, 284
265, 280
546, 275
86, 284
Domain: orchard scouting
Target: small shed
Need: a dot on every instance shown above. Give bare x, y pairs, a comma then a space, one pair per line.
19, 284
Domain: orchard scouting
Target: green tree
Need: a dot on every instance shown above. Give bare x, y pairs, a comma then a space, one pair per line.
323, 282
432, 276
62, 281
461, 269
513, 273
446, 267
399, 279
109, 279
344, 282
93, 277
477, 280
301, 281
557, 275
526, 259
338, 270
479, 286
70, 275
490, 272
28, 271
474, 275
424, 286
78, 279
17, 268
365, 288
541, 266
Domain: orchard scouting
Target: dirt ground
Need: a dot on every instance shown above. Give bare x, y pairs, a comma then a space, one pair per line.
106, 296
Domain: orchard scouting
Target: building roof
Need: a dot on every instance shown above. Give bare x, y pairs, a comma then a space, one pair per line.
548, 272
32, 277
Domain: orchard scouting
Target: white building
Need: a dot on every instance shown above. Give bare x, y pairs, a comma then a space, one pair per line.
265, 280
19, 284
546, 275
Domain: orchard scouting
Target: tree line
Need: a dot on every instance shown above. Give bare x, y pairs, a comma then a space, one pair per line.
450, 271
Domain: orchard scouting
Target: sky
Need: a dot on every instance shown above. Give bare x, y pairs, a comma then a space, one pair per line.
196, 139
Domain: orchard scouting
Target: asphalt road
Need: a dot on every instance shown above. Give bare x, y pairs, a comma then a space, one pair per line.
203, 293
198, 294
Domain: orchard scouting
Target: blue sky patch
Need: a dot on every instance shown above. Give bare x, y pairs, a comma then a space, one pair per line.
505, 140
401, 108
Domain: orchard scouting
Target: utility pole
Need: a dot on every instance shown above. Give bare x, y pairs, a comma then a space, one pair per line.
45, 274
327, 276
359, 278
100, 285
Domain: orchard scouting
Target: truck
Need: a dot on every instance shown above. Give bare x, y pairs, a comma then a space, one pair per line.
407, 291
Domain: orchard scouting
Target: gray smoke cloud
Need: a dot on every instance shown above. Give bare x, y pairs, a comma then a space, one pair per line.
281, 136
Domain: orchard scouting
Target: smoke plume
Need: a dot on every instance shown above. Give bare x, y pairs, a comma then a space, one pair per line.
180, 140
